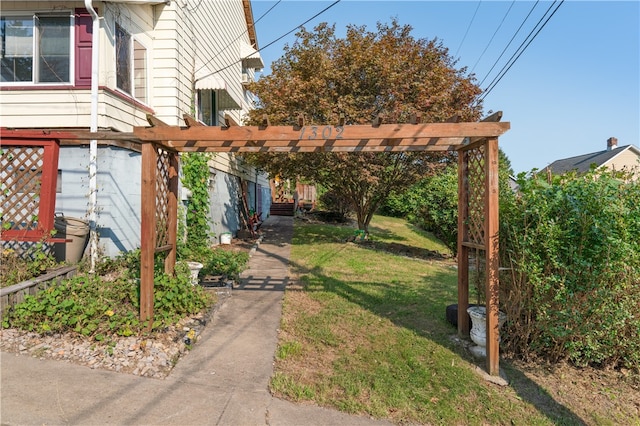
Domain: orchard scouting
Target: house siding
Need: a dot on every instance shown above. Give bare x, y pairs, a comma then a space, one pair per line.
118, 194
625, 160
174, 35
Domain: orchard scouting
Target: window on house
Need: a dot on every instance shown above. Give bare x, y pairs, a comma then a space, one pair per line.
131, 65
36, 49
207, 111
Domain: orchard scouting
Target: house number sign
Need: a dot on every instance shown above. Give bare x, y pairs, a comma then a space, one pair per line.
324, 132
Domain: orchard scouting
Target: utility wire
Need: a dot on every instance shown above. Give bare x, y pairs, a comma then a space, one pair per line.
509, 44
493, 36
468, 28
276, 40
496, 80
240, 35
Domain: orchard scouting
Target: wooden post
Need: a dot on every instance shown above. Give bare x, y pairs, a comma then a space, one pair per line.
147, 230
49, 178
172, 223
491, 226
463, 251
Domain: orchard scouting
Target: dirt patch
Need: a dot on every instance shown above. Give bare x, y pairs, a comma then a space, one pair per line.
587, 395
403, 250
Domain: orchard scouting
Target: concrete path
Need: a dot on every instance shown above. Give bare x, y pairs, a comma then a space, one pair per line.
222, 381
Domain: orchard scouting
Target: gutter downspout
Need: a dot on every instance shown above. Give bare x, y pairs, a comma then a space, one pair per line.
93, 147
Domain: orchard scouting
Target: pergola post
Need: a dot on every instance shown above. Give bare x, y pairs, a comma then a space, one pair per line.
147, 230
491, 226
463, 250
172, 202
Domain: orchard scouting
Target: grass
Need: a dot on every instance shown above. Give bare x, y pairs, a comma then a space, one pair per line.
365, 332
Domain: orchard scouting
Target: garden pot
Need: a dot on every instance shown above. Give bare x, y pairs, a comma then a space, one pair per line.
195, 268
478, 331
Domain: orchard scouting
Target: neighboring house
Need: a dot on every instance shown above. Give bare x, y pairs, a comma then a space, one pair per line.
616, 158
163, 58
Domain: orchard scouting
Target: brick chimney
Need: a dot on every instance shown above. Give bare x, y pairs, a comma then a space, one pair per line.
612, 143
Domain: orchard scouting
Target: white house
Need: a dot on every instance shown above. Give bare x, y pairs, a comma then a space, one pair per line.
160, 58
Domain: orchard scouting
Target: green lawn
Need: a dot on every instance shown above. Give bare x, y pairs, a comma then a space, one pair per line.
365, 332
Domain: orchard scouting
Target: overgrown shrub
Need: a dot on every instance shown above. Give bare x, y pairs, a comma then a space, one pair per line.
573, 246
17, 266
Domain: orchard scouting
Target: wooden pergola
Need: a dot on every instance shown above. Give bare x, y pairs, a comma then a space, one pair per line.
475, 142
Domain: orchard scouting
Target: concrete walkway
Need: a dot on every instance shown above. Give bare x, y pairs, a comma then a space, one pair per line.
222, 381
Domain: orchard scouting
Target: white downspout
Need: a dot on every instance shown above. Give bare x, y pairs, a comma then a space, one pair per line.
93, 147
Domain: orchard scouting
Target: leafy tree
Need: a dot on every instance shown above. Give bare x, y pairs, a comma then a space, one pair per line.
364, 75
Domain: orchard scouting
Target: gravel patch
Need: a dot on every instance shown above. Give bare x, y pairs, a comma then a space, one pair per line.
148, 356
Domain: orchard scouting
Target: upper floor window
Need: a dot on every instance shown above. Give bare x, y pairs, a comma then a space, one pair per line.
36, 48
207, 109
131, 65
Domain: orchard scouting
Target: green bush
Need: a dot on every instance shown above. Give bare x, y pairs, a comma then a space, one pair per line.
431, 204
573, 290
225, 262
195, 176
97, 306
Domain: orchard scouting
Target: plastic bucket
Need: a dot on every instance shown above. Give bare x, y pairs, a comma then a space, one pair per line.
225, 238
74, 229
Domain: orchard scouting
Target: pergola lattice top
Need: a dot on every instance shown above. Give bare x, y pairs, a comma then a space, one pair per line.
351, 138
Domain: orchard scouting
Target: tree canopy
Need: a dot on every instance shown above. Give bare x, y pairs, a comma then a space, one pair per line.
366, 74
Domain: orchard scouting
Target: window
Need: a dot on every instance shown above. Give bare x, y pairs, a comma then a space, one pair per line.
131, 65
36, 49
207, 111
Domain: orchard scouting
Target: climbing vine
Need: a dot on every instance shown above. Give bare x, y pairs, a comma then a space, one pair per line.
195, 177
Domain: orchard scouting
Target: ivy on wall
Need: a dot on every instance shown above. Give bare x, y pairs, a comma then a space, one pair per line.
195, 176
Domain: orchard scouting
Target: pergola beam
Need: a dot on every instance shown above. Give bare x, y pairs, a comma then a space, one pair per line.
416, 144
319, 134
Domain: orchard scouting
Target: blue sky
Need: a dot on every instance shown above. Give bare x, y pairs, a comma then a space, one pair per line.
573, 87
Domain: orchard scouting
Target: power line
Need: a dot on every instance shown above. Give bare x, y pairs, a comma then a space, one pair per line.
276, 40
468, 28
505, 69
494, 34
510, 41
240, 35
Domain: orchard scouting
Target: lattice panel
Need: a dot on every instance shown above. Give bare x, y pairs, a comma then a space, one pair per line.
162, 198
21, 179
476, 179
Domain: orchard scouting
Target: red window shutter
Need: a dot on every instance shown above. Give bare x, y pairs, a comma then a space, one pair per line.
84, 41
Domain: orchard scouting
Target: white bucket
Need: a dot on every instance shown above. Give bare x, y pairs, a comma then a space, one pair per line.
225, 238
